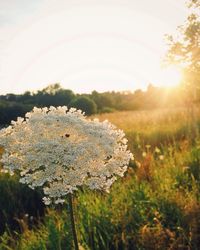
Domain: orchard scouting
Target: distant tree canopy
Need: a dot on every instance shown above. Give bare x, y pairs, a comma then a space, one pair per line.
54, 95
12, 106
85, 104
11, 110
184, 48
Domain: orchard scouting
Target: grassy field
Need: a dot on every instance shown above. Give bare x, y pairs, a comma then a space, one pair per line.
155, 206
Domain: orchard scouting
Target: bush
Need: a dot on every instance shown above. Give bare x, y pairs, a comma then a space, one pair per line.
85, 104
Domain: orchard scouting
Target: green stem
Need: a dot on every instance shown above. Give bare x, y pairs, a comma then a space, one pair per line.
70, 199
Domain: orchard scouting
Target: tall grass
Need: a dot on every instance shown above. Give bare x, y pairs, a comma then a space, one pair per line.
156, 205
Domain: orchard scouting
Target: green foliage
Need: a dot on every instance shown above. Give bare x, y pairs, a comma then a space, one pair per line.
12, 106
184, 50
5, 241
59, 231
54, 95
156, 205
18, 204
54, 237
85, 104
10, 111
194, 164
107, 110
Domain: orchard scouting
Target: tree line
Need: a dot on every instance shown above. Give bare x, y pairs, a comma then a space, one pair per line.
14, 105
183, 50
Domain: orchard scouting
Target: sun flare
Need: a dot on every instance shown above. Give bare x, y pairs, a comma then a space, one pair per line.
169, 77
81, 49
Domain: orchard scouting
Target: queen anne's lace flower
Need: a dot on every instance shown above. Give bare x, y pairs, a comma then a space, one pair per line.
60, 150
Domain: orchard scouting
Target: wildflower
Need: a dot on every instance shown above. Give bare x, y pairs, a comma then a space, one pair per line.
144, 154
157, 150
60, 150
148, 146
161, 157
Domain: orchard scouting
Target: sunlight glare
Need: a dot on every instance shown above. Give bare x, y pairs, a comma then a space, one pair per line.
169, 77
75, 45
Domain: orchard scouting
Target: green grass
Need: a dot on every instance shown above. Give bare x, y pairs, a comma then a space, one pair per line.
155, 206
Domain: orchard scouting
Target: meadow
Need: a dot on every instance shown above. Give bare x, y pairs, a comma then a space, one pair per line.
156, 206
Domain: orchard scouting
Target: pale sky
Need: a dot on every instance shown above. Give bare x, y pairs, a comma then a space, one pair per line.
86, 44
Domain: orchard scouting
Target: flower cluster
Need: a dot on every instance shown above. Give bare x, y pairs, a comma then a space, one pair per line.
60, 150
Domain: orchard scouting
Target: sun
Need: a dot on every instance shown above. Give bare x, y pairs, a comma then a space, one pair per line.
169, 77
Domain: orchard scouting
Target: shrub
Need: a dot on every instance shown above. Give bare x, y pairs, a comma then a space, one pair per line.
85, 104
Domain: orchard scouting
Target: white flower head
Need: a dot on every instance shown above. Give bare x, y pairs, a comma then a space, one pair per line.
60, 150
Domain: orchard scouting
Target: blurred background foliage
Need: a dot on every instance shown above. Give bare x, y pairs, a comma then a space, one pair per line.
12, 105
156, 206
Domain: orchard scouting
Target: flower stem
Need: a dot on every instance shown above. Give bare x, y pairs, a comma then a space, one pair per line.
70, 199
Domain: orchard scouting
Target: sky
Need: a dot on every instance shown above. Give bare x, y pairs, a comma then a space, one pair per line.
86, 45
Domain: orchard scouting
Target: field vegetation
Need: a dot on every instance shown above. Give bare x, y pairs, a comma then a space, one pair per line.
156, 205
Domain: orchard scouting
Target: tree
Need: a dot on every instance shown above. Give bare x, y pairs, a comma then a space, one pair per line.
184, 49
54, 95
63, 97
11, 110
27, 97
85, 104
102, 100
52, 88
